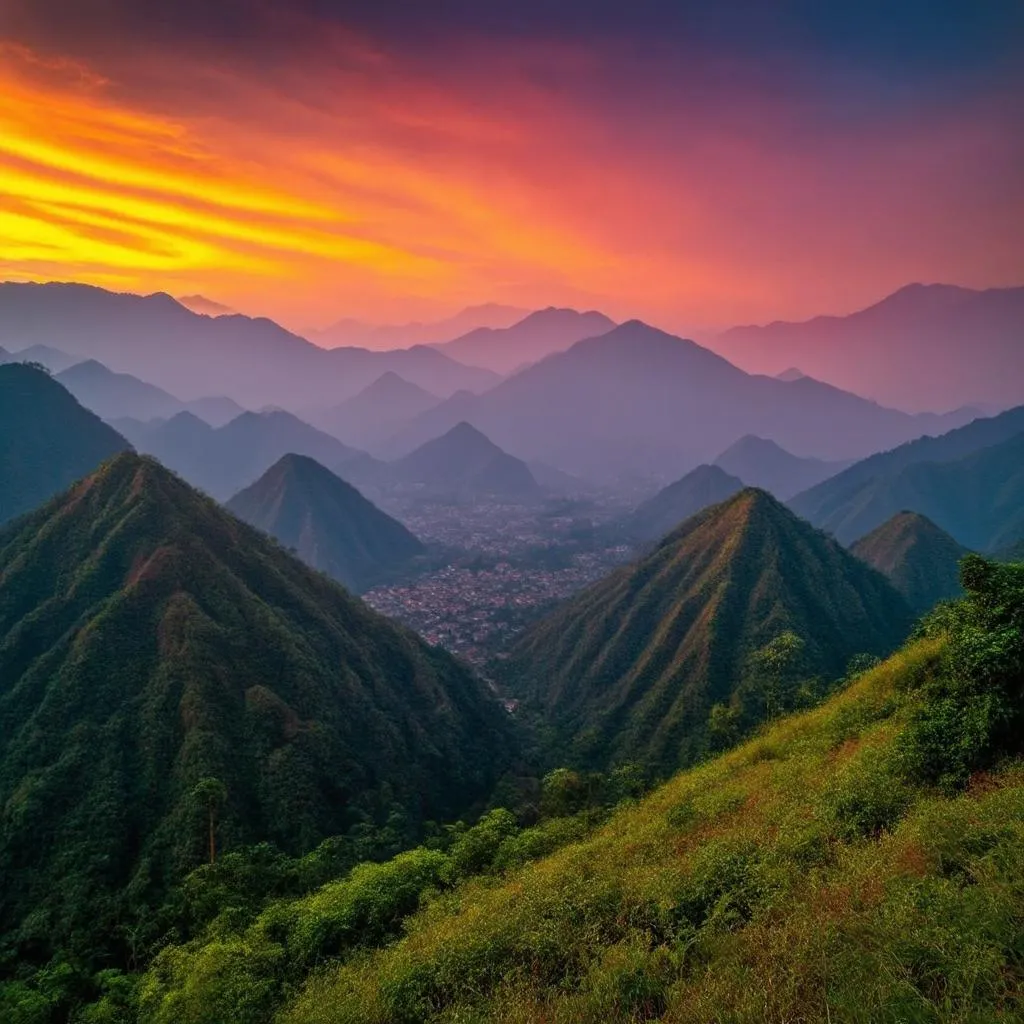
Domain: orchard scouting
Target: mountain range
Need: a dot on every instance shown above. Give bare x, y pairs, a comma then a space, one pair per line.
360, 334
368, 419
761, 463
629, 669
921, 561
507, 349
637, 401
969, 481
326, 522
672, 505
910, 350
223, 460
253, 361
47, 440
174, 681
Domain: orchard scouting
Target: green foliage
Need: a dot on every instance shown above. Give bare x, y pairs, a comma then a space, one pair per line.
169, 673
743, 609
971, 714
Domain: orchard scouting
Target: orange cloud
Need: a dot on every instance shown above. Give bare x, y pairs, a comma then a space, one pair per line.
358, 184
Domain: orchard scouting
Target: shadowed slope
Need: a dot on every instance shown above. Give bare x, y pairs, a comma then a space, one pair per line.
47, 440
328, 523
921, 560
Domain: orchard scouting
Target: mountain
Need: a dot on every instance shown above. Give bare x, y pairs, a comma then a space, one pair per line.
151, 642
538, 335
1012, 552
327, 522
968, 342
387, 336
762, 463
979, 499
463, 463
630, 669
828, 500
53, 359
223, 460
116, 395
671, 506
204, 306
636, 401
47, 440
254, 361
811, 874
921, 561
214, 409
790, 374
376, 413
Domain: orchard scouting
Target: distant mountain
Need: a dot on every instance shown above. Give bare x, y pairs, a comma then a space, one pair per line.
630, 668
921, 561
53, 359
538, 335
790, 374
116, 395
671, 506
376, 413
1012, 552
762, 463
327, 522
222, 461
253, 361
204, 306
923, 347
387, 336
463, 463
191, 648
637, 401
828, 500
215, 409
979, 499
47, 440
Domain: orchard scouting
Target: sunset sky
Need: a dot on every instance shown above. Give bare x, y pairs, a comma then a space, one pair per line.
691, 164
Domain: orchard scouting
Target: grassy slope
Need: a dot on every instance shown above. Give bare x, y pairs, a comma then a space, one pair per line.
794, 879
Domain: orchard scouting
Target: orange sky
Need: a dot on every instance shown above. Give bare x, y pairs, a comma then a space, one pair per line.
376, 187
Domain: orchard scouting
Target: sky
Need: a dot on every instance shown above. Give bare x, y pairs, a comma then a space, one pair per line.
695, 165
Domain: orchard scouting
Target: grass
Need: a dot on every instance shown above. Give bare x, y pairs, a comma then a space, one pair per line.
797, 878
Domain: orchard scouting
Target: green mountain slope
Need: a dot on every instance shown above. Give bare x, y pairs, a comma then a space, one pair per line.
672, 505
978, 499
150, 640
328, 523
921, 561
47, 440
629, 669
825, 501
862, 862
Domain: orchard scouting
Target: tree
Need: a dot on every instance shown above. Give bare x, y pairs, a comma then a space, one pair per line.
211, 794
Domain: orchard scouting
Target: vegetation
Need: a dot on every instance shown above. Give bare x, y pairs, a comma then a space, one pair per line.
633, 668
815, 873
328, 523
921, 560
977, 497
174, 685
47, 440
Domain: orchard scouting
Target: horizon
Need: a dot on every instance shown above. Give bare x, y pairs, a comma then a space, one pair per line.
749, 167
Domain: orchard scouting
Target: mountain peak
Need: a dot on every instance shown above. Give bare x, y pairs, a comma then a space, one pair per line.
630, 667
328, 523
920, 558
